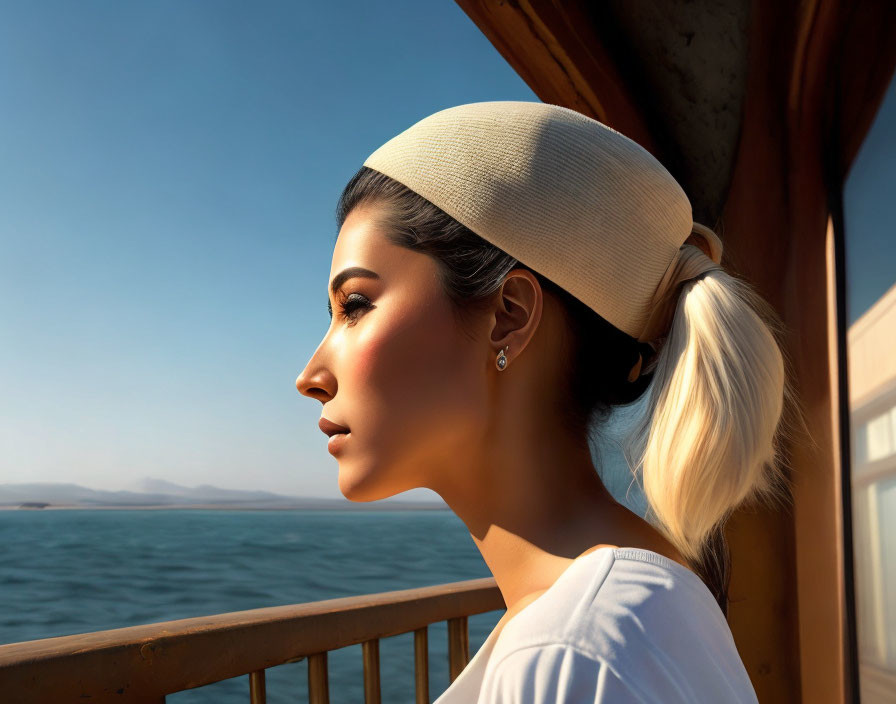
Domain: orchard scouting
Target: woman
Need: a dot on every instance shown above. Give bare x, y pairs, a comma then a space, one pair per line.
506, 273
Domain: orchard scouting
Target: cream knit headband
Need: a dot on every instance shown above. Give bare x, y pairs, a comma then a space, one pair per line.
564, 194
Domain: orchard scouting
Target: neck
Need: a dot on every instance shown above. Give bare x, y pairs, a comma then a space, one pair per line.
533, 507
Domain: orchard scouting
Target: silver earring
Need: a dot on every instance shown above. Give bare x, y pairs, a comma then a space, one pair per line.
501, 361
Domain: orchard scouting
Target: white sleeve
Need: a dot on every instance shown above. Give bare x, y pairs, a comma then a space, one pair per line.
555, 674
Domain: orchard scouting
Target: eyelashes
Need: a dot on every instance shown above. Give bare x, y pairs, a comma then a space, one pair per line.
351, 306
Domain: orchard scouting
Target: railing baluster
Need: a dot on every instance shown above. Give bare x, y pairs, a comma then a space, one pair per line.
371, 652
256, 688
458, 646
318, 680
421, 665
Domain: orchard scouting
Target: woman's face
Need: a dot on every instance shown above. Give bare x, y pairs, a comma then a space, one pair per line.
394, 368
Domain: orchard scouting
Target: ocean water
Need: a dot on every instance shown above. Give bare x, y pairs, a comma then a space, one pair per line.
73, 571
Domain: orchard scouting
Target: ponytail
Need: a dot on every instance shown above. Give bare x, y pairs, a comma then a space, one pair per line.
708, 438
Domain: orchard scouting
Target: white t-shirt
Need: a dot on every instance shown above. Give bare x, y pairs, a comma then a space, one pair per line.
619, 626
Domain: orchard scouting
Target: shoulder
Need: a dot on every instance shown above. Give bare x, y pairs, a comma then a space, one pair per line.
557, 673
627, 622
615, 602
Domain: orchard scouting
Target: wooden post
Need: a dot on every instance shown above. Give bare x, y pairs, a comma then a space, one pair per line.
421, 665
318, 681
371, 652
458, 646
256, 688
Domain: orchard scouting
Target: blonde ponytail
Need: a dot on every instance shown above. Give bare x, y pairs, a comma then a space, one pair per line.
709, 437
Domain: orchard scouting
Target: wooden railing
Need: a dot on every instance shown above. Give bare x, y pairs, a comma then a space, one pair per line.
142, 664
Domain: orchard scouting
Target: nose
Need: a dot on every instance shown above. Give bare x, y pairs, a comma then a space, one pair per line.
316, 380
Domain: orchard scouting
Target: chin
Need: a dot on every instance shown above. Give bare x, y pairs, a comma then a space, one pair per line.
364, 488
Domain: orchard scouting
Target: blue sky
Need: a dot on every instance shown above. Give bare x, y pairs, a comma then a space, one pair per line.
169, 173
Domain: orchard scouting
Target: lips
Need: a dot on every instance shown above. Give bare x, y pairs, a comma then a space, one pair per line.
331, 428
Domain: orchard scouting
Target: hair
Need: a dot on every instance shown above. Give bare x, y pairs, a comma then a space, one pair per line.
710, 436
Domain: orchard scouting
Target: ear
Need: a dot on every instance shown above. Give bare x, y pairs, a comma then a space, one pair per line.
517, 312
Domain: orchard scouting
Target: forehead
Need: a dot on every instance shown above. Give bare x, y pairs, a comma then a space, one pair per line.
361, 242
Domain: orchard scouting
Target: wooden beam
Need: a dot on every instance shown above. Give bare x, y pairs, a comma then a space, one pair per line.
555, 50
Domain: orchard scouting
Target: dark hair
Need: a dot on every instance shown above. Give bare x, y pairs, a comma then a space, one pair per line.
599, 355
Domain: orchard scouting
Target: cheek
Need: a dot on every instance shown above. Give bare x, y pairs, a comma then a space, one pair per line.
365, 356
413, 371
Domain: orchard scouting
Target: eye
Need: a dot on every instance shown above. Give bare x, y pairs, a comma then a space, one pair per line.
351, 306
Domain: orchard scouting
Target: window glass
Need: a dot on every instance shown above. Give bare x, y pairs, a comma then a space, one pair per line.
870, 288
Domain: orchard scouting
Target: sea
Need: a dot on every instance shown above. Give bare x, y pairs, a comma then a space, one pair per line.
74, 571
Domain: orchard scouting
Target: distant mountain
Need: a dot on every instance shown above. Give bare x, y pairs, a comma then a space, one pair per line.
206, 492
158, 492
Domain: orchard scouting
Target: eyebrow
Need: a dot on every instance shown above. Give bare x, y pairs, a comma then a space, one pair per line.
350, 273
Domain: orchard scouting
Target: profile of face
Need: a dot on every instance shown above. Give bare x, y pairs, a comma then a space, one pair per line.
395, 368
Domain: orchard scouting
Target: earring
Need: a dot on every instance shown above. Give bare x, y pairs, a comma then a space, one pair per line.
501, 361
